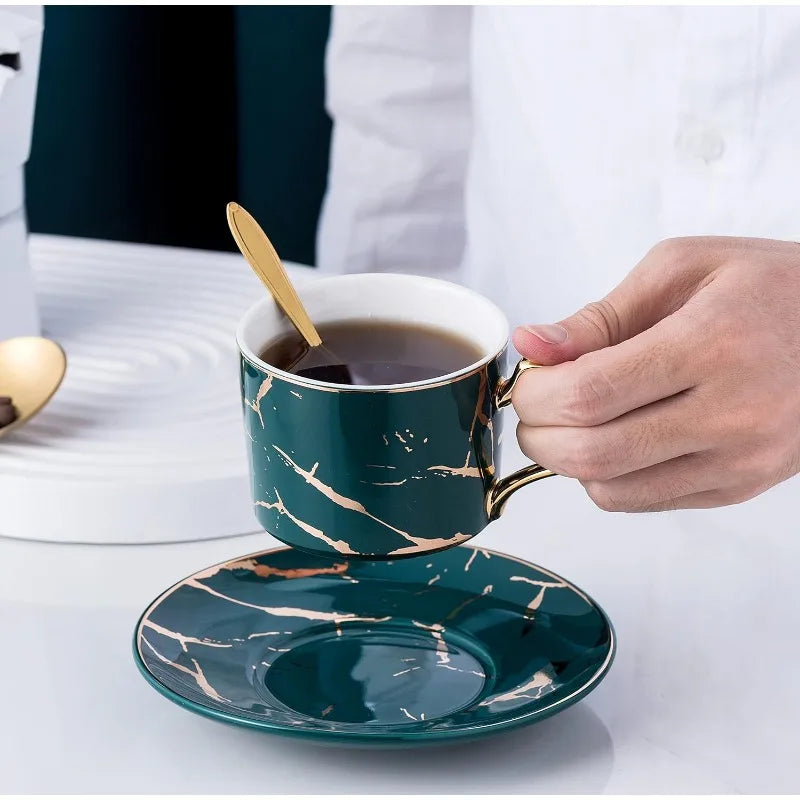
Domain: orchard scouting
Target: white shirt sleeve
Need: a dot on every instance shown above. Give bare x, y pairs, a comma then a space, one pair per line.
398, 93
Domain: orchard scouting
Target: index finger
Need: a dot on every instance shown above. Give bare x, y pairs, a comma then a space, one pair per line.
604, 384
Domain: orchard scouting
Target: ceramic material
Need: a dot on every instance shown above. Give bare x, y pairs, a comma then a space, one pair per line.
147, 419
382, 471
458, 644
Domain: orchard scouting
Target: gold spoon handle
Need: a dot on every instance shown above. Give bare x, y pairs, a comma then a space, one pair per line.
261, 256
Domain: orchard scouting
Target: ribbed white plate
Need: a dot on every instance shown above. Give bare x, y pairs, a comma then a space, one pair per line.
143, 442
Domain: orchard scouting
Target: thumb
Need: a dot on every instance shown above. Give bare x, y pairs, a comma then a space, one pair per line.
659, 285
595, 326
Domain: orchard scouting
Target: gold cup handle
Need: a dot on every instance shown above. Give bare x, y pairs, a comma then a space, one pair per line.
501, 489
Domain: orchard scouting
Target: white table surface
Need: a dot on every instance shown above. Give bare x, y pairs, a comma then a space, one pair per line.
704, 695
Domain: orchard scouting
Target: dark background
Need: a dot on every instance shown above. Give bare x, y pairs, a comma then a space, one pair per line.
149, 120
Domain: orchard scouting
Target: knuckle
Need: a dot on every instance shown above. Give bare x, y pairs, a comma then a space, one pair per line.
732, 496
603, 317
584, 458
678, 486
759, 469
751, 474
684, 262
604, 497
589, 397
670, 251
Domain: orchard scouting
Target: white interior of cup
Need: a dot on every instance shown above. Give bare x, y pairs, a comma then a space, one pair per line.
380, 296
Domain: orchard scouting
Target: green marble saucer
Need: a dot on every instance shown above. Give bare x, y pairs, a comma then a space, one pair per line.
453, 645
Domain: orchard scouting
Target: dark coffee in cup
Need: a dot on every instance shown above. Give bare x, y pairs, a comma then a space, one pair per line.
372, 352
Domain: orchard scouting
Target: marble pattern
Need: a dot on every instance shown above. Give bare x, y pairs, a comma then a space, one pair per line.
379, 651
371, 474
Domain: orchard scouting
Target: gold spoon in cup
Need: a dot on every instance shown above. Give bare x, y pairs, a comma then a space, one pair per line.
262, 257
31, 369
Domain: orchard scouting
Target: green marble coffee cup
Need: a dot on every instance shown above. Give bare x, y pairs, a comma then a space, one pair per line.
379, 472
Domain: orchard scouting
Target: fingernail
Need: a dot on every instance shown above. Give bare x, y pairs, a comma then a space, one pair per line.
552, 334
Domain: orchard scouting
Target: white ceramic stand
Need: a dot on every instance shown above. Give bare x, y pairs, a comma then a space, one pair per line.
143, 442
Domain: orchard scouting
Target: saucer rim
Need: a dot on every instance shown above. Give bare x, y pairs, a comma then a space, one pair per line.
365, 735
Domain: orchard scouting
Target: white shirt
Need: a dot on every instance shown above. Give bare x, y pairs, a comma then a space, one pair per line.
537, 153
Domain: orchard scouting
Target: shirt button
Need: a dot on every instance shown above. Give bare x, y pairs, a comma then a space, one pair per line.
701, 143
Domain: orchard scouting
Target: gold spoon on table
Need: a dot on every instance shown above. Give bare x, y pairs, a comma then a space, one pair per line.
260, 254
31, 369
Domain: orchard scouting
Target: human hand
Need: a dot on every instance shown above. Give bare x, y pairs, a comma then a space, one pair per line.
680, 389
